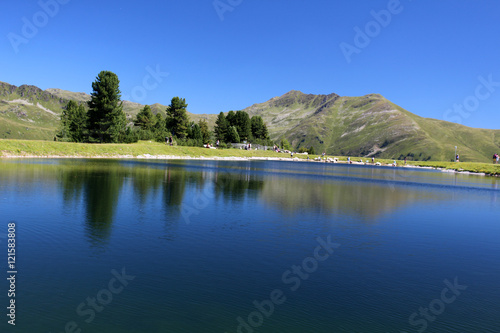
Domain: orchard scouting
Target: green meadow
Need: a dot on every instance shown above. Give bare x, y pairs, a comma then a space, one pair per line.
40, 148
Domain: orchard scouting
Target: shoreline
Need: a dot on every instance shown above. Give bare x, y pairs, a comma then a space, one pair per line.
6, 155
149, 150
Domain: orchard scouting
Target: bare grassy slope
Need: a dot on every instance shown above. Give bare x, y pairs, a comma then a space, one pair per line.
370, 126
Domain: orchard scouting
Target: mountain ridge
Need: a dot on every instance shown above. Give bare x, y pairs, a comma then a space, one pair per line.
369, 126
366, 126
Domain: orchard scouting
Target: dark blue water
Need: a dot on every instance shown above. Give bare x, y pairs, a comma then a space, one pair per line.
202, 246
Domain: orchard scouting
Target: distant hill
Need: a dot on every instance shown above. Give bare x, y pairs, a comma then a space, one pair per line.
357, 126
370, 126
28, 112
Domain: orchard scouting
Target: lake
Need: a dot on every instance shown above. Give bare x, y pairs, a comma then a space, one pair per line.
263, 246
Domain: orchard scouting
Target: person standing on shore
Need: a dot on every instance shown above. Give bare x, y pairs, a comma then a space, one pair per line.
457, 158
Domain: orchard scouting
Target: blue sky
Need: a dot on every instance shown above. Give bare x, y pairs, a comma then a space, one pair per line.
438, 59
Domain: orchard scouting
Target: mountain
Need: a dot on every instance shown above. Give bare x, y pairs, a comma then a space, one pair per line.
356, 126
370, 126
28, 112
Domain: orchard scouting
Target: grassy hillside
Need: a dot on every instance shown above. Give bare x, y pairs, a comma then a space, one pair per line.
41, 148
348, 126
27, 112
370, 126
22, 120
130, 108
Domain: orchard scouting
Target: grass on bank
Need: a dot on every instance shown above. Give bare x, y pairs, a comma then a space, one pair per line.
39, 148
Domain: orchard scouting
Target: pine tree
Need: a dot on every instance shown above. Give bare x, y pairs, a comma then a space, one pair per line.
232, 135
285, 145
73, 123
160, 129
259, 129
78, 124
63, 133
177, 118
243, 125
106, 120
231, 118
265, 132
145, 119
221, 127
205, 133
196, 133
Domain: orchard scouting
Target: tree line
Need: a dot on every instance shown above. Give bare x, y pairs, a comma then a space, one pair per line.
102, 120
239, 127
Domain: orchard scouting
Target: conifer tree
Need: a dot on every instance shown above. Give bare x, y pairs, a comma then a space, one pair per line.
73, 123
205, 133
242, 124
160, 129
78, 124
145, 119
221, 127
259, 128
106, 119
231, 118
232, 135
177, 118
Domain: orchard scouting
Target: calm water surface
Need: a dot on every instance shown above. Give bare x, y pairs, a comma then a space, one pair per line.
210, 246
